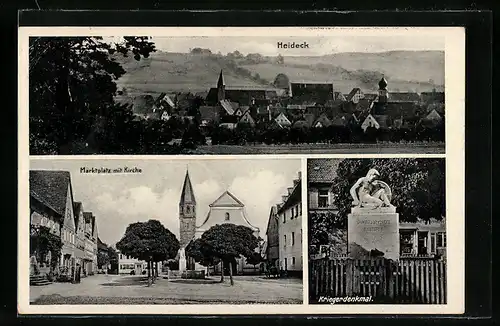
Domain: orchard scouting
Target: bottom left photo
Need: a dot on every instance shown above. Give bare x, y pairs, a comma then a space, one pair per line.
165, 231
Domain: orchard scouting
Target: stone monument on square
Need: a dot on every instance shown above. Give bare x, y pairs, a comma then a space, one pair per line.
182, 260
373, 224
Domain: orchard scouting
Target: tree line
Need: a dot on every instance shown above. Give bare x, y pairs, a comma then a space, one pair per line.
265, 134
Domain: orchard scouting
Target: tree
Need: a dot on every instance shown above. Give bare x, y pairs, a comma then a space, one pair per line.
280, 60
228, 242
149, 241
282, 81
201, 253
72, 87
254, 259
42, 241
418, 186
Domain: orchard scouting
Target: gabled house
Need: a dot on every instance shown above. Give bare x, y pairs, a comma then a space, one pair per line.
283, 120
432, 119
53, 189
355, 95
370, 121
209, 114
322, 121
247, 118
272, 249
165, 116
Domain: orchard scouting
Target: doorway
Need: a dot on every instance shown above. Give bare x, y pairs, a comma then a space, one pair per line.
422, 248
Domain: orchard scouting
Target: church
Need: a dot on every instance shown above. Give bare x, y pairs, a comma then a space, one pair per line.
225, 209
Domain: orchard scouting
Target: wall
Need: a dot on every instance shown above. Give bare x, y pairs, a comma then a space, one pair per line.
287, 227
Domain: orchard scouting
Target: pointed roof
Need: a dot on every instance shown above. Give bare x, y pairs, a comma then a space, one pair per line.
382, 84
227, 199
221, 82
187, 195
50, 188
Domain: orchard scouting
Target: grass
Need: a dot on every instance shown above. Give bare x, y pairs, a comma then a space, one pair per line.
164, 72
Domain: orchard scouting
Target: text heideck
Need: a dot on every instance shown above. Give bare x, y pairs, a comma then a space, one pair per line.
293, 45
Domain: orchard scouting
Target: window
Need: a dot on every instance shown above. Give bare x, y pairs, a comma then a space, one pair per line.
121, 256
293, 238
441, 240
300, 209
284, 216
301, 236
293, 261
433, 242
323, 198
187, 209
292, 215
227, 217
284, 242
297, 211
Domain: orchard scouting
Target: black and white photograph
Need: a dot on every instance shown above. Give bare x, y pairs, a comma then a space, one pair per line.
377, 231
366, 91
176, 232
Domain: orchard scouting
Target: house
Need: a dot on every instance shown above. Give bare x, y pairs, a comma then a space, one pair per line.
322, 121
209, 114
243, 95
229, 121
290, 229
53, 189
228, 107
432, 119
423, 239
341, 120
272, 249
128, 265
320, 176
370, 121
247, 118
283, 121
90, 258
311, 91
432, 97
355, 95
80, 235
165, 116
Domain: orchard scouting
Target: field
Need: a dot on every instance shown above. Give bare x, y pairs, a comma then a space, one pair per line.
169, 72
386, 148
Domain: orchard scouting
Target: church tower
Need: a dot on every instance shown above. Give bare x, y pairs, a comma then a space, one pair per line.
187, 212
383, 95
221, 88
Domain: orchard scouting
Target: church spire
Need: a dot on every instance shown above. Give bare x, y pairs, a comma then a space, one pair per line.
221, 82
187, 195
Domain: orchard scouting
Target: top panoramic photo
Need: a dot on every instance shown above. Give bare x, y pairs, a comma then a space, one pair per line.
212, 91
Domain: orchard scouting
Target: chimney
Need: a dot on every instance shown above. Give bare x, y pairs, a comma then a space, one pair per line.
299, 174
290, 189
295, 182
284, 198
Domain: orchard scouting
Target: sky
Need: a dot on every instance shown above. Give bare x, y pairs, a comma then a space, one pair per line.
120, 199
319, 45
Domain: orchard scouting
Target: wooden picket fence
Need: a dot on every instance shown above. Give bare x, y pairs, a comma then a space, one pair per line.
410, 280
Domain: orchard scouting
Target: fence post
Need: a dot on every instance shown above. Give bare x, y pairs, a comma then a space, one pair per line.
349, 277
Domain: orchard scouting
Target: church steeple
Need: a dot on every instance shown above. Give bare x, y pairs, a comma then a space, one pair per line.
221, 88
187, 195
383, 94
187, 213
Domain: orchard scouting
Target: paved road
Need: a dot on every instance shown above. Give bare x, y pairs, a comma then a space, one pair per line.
113, 289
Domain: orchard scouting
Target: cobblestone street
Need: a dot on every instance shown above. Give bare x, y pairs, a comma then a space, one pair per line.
114, 289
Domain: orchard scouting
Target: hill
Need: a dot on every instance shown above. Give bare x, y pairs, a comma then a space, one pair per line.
171, 72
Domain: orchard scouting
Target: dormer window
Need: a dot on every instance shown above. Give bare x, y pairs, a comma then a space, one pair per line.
227, 216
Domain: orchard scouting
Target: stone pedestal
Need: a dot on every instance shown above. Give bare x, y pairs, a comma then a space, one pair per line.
373, 232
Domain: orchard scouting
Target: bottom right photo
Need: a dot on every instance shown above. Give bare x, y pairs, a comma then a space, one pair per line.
377, 231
